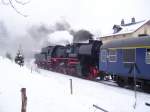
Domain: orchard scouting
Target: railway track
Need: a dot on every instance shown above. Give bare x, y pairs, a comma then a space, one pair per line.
114, 84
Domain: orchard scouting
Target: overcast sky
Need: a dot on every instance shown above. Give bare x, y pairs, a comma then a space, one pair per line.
93, 15
97, 16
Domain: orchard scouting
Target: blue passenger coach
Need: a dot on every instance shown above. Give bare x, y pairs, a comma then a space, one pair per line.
126, 59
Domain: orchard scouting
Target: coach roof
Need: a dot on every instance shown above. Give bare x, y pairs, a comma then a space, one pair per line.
128, 42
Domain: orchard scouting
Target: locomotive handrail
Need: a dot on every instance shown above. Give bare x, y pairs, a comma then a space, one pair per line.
64, 58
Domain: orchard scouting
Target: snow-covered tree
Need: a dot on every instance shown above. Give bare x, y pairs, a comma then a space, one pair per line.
19, 59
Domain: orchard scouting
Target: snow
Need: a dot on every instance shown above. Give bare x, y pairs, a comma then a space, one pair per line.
129, 28
50, 92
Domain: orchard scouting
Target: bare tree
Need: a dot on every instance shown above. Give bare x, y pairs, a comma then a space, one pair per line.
8, 55
12, 2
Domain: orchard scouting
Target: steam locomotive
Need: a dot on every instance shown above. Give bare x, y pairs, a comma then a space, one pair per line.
77, 59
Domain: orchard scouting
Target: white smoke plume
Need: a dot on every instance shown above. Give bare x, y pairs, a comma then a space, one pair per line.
60, 38
37, 36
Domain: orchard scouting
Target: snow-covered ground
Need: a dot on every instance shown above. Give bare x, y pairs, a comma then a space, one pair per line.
50, 92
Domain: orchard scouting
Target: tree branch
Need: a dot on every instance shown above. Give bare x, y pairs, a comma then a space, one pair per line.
4, 2
22, 3
11, 4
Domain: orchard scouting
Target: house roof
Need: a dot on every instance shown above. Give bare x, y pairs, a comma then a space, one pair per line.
128, 28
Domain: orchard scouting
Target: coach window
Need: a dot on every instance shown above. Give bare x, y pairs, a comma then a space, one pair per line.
112, 55
128, 55
103, 55
147, 59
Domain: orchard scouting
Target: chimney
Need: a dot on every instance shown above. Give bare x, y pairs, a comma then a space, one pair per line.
133, 20
122, 22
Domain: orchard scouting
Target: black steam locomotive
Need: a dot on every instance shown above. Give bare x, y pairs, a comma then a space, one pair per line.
77, 59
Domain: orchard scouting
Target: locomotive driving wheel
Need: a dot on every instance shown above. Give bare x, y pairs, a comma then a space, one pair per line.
121, 82
61, 70
71, 70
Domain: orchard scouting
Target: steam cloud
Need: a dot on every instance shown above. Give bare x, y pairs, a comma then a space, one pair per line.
82, 35
38, 36
4, 40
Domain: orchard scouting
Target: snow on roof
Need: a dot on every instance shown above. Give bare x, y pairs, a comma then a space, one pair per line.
128, 28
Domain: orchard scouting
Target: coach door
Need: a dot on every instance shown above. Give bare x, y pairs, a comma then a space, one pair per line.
129, 59
104, 60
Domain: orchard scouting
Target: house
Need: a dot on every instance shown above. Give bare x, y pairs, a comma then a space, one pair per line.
126, 30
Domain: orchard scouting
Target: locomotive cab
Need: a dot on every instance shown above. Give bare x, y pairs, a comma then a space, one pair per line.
89, 58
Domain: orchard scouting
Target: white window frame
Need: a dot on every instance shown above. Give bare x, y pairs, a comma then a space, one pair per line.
134, 55
103, 52
112, 55
146, 57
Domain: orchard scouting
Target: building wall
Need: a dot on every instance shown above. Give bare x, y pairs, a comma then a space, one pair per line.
143, 30
109, 38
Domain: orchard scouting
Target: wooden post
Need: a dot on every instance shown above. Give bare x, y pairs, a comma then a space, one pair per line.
97, 107
24, 100
71, 91
147, 104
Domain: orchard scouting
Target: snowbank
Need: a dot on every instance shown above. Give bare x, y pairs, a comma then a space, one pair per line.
50, 92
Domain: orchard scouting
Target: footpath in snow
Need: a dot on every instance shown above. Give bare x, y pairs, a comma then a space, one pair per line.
50, 92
